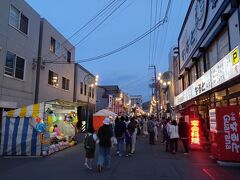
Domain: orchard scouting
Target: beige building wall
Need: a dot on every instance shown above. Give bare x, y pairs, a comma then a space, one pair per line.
60, 66
14, 92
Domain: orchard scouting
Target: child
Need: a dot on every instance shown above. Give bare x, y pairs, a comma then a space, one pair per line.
90, 146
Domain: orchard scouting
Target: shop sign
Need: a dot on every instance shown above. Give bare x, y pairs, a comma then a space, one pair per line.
201, 14
212, 119
195, 132
202, 85
226, 69
231, 132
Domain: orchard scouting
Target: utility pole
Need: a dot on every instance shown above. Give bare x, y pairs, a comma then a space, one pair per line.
155, 89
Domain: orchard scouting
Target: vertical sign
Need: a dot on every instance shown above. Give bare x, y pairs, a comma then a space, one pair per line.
212, 118
231, 131
195, 139
110, 99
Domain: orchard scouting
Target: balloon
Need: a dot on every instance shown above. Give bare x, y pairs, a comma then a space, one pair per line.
51, 129
41, 127
50, 120
54, 118
38, 120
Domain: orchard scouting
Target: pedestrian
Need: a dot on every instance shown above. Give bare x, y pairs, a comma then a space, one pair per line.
145, 131
90, 147
184, 132
128, 141
150, 127
132, 126
168, 124
173, 132
156, 124
119, 129
105, 135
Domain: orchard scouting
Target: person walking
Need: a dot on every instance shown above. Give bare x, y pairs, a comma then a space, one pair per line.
90, 147
145, 132
132, 126
128, 141
105, 134
119, 129
173, 131
167, 133
150, 126
184, 132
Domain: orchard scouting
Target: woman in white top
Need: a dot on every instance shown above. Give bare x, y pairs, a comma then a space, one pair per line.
173, 133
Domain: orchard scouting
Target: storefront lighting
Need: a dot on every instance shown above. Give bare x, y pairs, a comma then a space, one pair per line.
161, 81
168, 82
60, 118
159, 74
164, 83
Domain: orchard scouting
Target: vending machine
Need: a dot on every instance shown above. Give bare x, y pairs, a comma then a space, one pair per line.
225, 132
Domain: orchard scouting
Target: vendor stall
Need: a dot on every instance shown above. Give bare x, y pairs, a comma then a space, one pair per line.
39, 129
99, 116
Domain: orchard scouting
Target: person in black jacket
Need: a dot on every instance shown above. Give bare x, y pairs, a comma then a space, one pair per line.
183, 128
120, 129
105, 135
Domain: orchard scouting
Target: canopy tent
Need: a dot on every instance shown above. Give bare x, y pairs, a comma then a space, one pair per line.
21, 131
99, 116
105, 112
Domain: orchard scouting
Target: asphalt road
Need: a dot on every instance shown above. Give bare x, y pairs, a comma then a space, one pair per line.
149, 163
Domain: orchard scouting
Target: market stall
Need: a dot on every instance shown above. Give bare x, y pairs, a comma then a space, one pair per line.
39, 129
99, 116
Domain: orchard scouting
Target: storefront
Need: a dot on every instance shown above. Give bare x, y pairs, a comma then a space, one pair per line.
209, 67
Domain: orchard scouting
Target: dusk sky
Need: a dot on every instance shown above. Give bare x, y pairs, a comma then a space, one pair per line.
129, 68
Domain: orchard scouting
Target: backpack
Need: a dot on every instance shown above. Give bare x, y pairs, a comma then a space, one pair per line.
89, 142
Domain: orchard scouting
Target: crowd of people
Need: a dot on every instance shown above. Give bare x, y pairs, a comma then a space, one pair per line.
122, 133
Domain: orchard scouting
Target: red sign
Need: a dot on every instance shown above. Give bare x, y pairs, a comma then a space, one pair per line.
225, 144
195, 139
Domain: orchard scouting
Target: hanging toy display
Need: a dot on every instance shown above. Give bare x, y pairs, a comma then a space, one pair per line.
40, 125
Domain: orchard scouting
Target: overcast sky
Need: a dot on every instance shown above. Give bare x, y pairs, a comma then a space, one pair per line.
129, 68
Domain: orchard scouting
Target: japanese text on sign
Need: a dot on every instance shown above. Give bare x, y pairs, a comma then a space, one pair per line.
195, 132
231, 133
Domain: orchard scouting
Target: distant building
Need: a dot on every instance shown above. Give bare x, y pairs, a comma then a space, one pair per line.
136, 100
112, 98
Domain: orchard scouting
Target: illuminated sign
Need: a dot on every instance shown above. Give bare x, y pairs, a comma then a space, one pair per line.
195, 132
224, 70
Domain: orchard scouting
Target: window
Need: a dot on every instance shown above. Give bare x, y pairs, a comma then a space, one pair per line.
18, 20
85, 89
24, 24
81, 88
89, 91
14, 17
53, 79
58, 48
55, 47
52, 45
65, 83
200, 67
218, 49
185, 81
19, 70
14, 66
193, 74
93, 93
67, 55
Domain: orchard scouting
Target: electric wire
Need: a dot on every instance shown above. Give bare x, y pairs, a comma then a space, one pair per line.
102, 11
86, 36
161, 22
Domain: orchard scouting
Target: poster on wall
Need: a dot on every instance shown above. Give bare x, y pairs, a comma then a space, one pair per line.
212, 119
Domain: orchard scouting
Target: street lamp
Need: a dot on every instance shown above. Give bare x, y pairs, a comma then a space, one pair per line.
88, 79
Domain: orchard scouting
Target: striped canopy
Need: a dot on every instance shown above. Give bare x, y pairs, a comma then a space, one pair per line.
19, 135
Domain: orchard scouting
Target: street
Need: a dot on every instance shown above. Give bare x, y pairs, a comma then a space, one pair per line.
149, 162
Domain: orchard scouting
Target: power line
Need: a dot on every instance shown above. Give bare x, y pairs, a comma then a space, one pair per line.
161, 22
102, 11
101, 22
114, 10
82, 44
